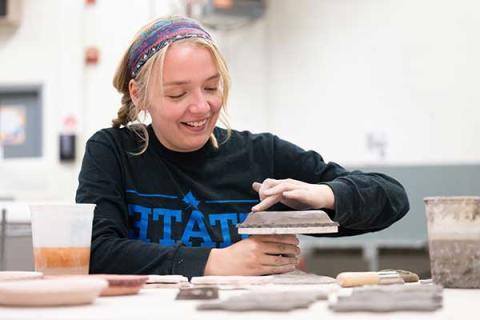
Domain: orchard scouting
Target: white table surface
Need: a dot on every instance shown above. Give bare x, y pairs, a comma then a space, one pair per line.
160, 304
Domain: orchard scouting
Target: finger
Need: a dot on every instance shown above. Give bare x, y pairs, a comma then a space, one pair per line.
281, 248
279, 188
277, 260
277, 269
256, 186
266, 203
278, 238
267, 183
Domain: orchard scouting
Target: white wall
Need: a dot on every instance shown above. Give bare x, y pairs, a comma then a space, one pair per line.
405, 71
43, 51
321, 73
246, 53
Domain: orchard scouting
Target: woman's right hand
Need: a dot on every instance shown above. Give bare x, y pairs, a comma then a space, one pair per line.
256, 255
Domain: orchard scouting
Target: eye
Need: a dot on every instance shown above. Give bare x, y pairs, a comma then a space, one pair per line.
178, 96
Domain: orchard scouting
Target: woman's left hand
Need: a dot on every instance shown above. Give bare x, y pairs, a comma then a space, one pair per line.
294, 194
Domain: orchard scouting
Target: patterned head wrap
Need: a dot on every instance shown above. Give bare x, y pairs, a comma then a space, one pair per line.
157, 36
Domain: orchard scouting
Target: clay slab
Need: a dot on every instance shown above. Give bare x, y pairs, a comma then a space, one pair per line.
155, 278
166, 281
119, 284
388, 298
232, 280
265, 301
298, 277
287, 222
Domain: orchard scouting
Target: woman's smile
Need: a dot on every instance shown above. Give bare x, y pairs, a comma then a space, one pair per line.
196, 126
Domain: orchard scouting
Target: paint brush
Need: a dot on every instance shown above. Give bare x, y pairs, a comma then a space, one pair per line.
355, 279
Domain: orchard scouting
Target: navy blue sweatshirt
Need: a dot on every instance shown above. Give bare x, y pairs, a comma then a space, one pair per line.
161, 212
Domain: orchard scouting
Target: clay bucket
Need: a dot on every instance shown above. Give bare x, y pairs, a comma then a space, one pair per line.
454, 240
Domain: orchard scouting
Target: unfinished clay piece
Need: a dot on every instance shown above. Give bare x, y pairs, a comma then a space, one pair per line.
166, 281
232, 280
298, 277
51, 292
155, 278
202, 293
119, 284
287, 222
265, 301
380, 298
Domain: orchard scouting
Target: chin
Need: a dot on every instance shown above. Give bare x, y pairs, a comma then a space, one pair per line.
195, 145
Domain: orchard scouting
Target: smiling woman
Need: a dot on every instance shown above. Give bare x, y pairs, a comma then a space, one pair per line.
180, 69
169, 194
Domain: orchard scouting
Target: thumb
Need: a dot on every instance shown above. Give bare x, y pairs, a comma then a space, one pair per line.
256, 186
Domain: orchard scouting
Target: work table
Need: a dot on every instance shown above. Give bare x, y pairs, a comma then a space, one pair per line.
160, 303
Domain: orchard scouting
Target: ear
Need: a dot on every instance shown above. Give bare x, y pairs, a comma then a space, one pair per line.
133, 90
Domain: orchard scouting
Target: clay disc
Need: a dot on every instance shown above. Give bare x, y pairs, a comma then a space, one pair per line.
19, 275
51, 292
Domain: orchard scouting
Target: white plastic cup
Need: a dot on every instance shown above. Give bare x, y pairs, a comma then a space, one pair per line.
61, 235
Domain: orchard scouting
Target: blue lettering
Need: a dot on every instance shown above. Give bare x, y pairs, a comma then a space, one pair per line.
168, 216
142, 223
242, 216
223, 219
196, 219
195, 228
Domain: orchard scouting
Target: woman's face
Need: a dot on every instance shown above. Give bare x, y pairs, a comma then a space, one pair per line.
185, 113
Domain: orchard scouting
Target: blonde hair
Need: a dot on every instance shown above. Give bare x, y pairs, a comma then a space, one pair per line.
129, 114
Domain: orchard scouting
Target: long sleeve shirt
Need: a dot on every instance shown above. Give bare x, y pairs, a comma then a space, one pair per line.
162, 211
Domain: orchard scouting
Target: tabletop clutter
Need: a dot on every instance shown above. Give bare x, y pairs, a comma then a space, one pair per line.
382, 291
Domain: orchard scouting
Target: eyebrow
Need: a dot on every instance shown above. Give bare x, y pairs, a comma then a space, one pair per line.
176, 83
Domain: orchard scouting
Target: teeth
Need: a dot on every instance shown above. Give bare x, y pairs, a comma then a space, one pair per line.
197, 123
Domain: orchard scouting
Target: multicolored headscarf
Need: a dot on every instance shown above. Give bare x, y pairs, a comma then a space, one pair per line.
158, 35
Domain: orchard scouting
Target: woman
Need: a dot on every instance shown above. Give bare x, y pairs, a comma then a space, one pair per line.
170, 194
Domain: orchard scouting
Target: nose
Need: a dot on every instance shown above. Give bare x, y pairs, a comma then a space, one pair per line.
199, 102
